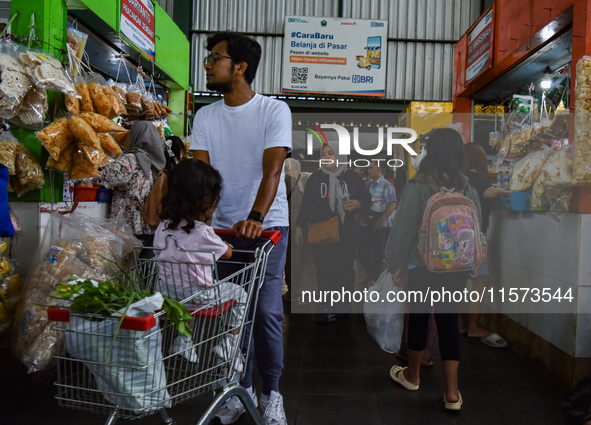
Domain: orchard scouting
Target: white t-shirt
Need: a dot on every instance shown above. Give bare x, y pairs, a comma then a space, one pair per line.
236, 138
190, 269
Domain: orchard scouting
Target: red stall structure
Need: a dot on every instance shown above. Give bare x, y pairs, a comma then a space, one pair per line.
508, 53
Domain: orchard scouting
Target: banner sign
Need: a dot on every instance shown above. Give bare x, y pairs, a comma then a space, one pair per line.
137, 25
480, 46
341, 56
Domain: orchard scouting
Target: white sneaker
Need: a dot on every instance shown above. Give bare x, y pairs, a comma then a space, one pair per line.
225, 349
184, 346
272, 407
232, 409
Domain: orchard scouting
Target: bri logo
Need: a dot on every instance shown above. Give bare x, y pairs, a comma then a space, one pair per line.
361, 79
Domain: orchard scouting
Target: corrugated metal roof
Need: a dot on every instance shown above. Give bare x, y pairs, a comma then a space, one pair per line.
417, 70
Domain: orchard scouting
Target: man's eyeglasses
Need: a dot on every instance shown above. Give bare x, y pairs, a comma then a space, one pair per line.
212, 58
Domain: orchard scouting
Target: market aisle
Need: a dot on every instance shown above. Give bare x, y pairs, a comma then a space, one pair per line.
337, 375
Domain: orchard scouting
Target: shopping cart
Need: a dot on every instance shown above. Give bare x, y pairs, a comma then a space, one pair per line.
132, 367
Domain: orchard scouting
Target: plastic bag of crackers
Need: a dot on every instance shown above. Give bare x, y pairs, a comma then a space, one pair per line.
10, 289
80, 144
72, 245
582, 159
555, 176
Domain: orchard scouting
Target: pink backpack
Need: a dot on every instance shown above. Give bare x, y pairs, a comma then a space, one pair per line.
450, 239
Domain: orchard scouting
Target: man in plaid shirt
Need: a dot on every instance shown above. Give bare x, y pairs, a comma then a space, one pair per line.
378, 223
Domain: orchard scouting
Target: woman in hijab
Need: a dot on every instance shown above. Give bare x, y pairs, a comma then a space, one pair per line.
335, 190
132, 175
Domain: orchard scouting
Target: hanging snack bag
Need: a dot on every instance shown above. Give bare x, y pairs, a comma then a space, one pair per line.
117, 106
47, 72
555, 176
100, 101
101, 124
55, 137
82, 89
14, 79
134, 97
87, 140
77, 42
120, 89
82, 167
28, 173
33, 109
8, 151
27, 167
109, 145
122, 139
527, 170
73, 104
582, 160
65, 159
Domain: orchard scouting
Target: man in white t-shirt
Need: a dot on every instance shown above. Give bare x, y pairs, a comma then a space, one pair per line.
246, 137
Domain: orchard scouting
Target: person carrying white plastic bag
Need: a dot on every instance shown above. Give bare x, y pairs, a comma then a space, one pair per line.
384, 318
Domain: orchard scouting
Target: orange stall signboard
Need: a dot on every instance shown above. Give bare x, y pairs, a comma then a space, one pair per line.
480, 46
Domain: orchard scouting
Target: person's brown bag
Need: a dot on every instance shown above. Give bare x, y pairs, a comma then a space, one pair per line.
324, 232
152, 205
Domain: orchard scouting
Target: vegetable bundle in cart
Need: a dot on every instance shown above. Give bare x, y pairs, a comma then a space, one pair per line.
126, 350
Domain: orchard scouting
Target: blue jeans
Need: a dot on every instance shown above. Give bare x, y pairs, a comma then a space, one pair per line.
267, 338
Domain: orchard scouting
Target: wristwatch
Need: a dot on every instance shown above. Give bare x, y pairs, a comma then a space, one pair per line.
255, 215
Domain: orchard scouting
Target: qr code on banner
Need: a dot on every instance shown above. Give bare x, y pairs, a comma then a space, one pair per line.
299, 75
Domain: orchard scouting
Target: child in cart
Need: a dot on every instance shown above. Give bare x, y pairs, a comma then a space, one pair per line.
185, 265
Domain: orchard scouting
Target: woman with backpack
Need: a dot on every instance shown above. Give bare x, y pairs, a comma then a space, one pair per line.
439, 170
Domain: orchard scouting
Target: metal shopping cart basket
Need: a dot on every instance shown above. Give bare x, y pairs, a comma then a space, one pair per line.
132, 367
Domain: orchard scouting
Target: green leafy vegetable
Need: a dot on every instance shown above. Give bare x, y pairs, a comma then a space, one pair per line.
109, 297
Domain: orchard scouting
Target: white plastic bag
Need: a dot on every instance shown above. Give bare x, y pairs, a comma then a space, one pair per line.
128, 369
384, 319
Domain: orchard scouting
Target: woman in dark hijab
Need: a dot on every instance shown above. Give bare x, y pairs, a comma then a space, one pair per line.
132, 175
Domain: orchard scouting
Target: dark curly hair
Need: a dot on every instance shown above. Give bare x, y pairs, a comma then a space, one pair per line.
193, 188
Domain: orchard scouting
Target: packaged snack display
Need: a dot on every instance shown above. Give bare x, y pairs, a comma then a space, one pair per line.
77, 42
85, 100
28, 173
47, 72
8, 151
555, 176
117, 106
102, 124
71, 246
527, 170
100, 100
109, 145
87, 139
14, 82
82, 167
33, 109
119, 91
55, 137
582, 160
72, 104
28, 170
65, 159
86, 134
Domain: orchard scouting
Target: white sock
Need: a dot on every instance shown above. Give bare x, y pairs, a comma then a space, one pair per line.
269, 398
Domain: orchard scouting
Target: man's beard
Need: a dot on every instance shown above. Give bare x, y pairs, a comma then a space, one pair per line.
222, 88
